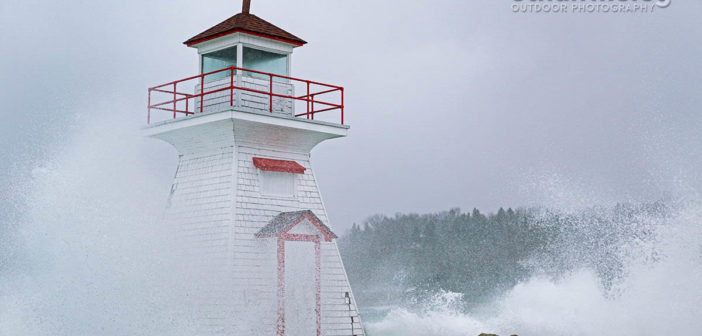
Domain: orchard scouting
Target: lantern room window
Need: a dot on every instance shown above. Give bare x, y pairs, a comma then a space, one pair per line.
265, 61
217, 60
254, 59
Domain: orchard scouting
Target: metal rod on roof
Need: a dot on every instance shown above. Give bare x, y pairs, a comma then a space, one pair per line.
246, 6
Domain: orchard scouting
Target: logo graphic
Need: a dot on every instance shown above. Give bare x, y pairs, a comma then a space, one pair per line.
663, 3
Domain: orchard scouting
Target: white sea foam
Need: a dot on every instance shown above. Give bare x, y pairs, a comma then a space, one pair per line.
660, 297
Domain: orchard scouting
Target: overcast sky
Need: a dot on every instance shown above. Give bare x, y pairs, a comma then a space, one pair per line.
451, 103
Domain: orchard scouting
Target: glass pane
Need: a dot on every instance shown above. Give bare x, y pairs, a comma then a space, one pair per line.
277, 184
264, 61
218, 60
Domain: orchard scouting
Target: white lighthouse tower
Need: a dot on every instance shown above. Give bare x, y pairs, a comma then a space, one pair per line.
244, 204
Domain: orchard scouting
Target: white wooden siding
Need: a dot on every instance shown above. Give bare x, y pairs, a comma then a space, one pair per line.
216, 207
246, 100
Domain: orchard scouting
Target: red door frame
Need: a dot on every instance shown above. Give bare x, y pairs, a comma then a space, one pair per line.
282, 238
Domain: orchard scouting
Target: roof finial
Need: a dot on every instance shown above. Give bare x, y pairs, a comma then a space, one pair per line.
246, 6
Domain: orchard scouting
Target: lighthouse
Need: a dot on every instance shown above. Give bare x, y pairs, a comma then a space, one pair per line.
244, 206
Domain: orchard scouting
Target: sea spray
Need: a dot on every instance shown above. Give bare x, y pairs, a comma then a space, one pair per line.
86, 255
83, 254
654, 295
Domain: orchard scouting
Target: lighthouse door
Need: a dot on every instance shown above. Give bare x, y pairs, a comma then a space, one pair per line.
300, 291
299, 262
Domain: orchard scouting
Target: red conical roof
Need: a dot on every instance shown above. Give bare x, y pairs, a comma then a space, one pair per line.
245, 23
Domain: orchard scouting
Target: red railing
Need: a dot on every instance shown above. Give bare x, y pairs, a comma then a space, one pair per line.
180, 102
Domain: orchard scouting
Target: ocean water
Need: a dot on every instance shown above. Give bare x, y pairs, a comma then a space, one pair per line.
81, 254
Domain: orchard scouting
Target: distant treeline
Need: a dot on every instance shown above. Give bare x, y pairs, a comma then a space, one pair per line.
408, 257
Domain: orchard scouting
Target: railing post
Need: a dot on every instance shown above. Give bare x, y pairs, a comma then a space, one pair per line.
202, 92
342, 106
175, 99
148, 109
312, 113
271, 93
231, 90
187, 105
308, 99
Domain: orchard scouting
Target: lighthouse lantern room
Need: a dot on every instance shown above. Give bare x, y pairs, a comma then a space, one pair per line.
244, 206
245, 63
